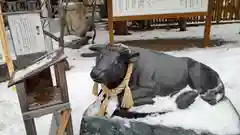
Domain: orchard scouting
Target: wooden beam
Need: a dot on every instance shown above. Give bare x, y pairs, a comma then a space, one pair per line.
160, 16
62, 83
22, 97
44, 111
208, 24
110, 21
65, 115
3, 38
51, 36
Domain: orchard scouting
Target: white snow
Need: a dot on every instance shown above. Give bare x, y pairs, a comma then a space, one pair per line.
200, 116
223, 59
21, 73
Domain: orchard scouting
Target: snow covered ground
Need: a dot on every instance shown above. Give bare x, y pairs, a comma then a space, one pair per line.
223, 59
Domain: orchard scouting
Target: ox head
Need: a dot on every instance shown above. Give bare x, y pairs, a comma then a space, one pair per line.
112, 64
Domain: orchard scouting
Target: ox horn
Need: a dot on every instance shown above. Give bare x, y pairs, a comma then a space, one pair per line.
87, 55
97, 47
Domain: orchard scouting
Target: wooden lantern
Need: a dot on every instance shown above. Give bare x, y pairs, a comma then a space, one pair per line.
38, 94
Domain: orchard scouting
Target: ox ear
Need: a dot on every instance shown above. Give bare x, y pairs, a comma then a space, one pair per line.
134, 56
97, 48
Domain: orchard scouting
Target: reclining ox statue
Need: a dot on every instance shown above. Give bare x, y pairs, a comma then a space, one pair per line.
152, 74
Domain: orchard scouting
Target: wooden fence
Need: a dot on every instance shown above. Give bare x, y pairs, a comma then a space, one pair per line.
223, 10
13, 6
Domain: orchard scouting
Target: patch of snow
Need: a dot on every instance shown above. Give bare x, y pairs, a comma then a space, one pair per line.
162, 104
67, 39
200, 116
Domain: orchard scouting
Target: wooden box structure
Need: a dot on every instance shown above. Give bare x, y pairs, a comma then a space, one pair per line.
38, 94
129, 10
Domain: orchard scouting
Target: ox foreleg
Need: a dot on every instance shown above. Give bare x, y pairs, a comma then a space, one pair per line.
185, 99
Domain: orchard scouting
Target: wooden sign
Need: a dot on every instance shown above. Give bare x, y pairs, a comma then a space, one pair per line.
27, 33
128, 10
147, 7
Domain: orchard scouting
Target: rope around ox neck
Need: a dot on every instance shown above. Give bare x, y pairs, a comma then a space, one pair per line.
127, 101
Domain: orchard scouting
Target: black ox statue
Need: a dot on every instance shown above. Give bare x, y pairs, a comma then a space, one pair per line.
155, 74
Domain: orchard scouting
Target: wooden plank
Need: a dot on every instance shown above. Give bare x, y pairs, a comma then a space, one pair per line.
153, 16
110, 21
219, 10
237, 5
52, 103
208, 24
225, 9
45, 111
62, 83
4, 43
22, 97
45, 62
65, 115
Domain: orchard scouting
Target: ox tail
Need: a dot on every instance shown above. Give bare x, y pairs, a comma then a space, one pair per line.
218, 92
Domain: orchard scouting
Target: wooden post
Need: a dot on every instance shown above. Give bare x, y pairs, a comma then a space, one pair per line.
29, 123
6, 55
3, 37
110, 21
63, 121
61, 82
208, 24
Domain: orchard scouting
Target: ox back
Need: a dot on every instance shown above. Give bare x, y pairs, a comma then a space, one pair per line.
161, 72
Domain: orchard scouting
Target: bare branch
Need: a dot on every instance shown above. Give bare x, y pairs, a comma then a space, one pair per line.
51, 35
63, 23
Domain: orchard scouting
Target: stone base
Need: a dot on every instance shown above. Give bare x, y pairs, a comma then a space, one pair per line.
103, 126
91, 124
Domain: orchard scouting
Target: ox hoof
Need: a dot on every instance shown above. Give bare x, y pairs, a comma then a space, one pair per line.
184, 100
209, 99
